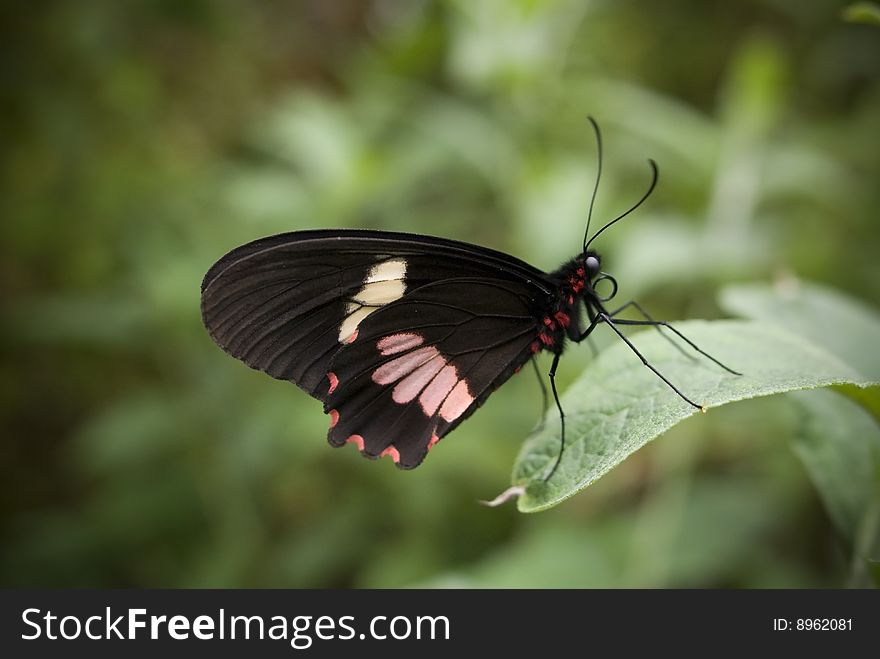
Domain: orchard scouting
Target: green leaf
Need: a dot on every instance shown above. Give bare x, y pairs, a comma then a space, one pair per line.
840, 324
827, 318
618, 405
862, 12
839, 444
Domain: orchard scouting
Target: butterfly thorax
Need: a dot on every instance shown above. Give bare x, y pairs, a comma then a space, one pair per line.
562, 318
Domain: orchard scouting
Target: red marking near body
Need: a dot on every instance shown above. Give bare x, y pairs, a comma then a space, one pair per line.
581, 272
563, 318
535, 346
434, 440
577, 285
357, 440
570, 300
334, 418
393, 452
546, 339
334, 382
351, 337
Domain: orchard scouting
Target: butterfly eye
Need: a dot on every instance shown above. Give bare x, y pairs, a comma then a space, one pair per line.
592, 264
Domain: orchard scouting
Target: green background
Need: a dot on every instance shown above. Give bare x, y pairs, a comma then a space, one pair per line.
142, 140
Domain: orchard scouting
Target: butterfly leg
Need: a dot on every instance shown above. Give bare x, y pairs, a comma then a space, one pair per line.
592, 316
561, 416
540, 425
611, 323
654, 323
662, 323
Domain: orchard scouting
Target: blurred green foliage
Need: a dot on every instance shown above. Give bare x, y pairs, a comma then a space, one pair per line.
143, 139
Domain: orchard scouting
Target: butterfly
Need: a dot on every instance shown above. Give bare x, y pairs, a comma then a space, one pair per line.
403, 336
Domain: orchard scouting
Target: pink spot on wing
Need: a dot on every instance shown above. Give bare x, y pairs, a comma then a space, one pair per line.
413, 384
535, 346
434, 440
334, 418
457, 402
351, 337
435, 393
391, 345
399, 368
357, 440
334, 382
393, 452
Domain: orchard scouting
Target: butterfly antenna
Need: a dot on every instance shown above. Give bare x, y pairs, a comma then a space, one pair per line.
654, 176
598, 177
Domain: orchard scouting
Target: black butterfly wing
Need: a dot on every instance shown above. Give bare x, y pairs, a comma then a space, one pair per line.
287, 303
281, 309
424, 363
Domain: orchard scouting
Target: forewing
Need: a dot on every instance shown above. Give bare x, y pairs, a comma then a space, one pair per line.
421, 365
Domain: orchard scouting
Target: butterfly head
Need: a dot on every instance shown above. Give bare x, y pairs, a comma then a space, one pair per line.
587, 275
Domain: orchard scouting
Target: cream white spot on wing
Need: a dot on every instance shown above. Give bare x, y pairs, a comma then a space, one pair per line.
350, 324
380, 293
395, 269
384, 283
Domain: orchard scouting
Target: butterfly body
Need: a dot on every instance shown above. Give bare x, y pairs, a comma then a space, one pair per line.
574, 289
